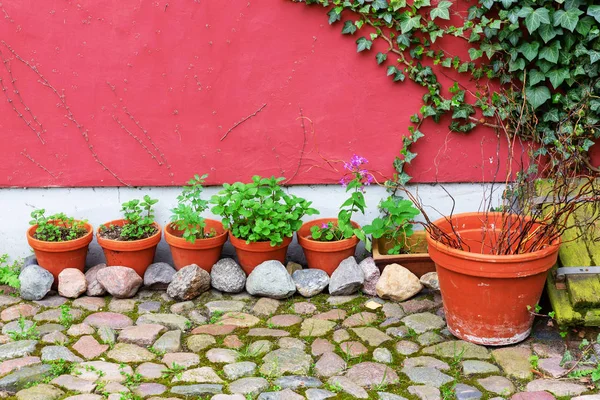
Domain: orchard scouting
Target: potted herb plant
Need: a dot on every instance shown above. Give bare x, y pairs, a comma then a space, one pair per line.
328, 241
59, 241
261, 218
394, 240
194, 239
131, 241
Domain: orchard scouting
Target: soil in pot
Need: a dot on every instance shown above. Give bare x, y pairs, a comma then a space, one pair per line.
416, 259
325, 256
203, 252
486, 297
57, 256
135, 254
252, 254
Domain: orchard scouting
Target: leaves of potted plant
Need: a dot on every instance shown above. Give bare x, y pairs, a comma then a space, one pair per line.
194, 239
394, 240
328, 241
59, 241
131, 241
261, 218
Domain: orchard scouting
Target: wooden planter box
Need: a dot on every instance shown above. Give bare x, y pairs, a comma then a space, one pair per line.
418, 261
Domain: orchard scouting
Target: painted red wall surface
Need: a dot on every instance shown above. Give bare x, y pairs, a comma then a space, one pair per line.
114, 92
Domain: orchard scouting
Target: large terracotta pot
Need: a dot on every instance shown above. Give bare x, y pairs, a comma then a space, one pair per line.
135, 254
252, 254
57, 256
203, 252
326, 256
486, 297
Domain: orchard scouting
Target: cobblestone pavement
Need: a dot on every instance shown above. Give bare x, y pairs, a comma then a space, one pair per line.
241, 347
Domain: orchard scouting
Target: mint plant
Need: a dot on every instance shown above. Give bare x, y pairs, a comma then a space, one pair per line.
395, 225
56, 227
186, 216
261, 210
139, 221
9, 273
354, 181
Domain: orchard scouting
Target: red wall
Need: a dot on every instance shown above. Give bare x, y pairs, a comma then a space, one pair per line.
130, 92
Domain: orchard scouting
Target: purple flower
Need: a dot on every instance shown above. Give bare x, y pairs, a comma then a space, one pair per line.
369, 179
344, 181
355, 163
324, 225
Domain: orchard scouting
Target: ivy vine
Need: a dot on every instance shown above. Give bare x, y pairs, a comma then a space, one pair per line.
541, 56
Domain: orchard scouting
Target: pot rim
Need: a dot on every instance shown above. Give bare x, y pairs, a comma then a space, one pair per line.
316, 245
57, 247
181, 243
488, 258
257, 247
129, 245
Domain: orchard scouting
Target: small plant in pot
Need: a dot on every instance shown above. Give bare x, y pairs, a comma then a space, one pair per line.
59, 241
328, 241
194, 239
395, 241
131, 241
261, 218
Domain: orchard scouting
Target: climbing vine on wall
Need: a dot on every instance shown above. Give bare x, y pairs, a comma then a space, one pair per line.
534, 64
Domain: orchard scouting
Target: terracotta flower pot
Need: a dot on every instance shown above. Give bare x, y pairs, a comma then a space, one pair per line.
135, 254
252, 254
57, 256
486, 296
417, 260
203, 252
326, 256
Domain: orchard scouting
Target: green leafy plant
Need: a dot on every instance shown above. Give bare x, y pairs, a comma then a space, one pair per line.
356, 178
139, 221
186, 216
395, 225
261, 210
65, 318
24, 333
9, 273
174, 371
56, 227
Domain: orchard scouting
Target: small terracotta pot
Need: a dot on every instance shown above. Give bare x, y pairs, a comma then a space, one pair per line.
57, 256
252, 254
135, 254
203, 252
486, 296
326, 256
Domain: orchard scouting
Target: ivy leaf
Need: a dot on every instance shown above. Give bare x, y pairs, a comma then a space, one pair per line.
363, 44
447, 62
535, 77
594, 56
441, 11
529, 50
567, 19
380, 5
585, 25
558, 76
397, 4
517, 65
551, 53
547, 33
594, 11
507, 3
391, 70
475, 53
381, 57
409, 23
334, 15
536, 96
536, 18
349, 28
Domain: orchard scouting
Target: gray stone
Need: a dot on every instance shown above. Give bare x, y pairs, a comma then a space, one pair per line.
310, 282
40, 392
389, 396
265, 306
423, 322
223, 306
313, 327
184, 359
282, 361
373, 336
318, 394
227, 276
393, 310
130, 353
121, 282
330, 364
427, 376
348, 386
109, 319
182, 307
425, 392
149, 307
169, 342
454, 348
222, 356
370, 374
197, 390
159, 275
371, 274
430, 281
428, 338
197, 343
382, 355
514, 361
22, 377
90, 303
188, 283
251, 386
74, 384
199, 375
35, 281
297, 382
406, 347
17, 349
339, 300
103, 371
51, 301
556, 387
347, 278
54, 353
239, 370
94, 288
286, 394
426, 361
474, 367
270, 279
497, 384
170, 321
398, 331
466, 392
107, 334
259, 348
29, 260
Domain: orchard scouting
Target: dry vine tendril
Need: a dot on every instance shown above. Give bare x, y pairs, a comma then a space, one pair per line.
544, 54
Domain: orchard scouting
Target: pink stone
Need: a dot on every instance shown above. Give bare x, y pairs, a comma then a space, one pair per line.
142, 335
149, 389
183, 359
372, 275
320, 346
14, 312
332, 315
284, 320
89, 347
233, 342
16, 364
121, 282
94, 288
215, 330
533, 396
110, 319
71, 283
